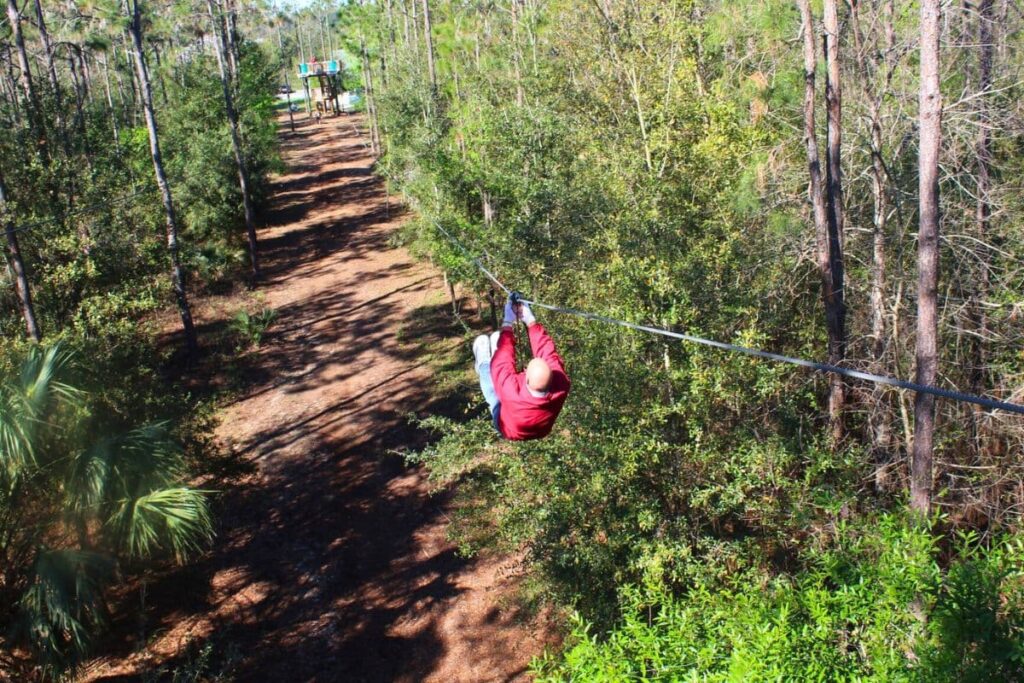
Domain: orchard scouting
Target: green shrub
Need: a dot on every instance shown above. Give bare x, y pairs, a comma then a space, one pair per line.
249, 328
874, 606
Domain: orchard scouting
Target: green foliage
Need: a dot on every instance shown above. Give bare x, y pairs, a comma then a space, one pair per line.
249, 328
75, 497
644, 161
875, 605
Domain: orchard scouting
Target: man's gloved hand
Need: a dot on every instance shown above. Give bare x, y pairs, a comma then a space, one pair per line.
525, 314
510, 314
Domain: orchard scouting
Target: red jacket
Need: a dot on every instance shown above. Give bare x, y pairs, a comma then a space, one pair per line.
523, 415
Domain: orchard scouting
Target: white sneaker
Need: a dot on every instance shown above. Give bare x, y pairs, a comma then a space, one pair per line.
482, 349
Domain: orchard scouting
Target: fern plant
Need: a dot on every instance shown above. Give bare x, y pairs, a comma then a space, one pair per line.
73, 502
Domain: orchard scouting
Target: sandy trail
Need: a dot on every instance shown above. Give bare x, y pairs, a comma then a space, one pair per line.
331, 562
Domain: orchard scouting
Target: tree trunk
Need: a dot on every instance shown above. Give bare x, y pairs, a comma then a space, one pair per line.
930, 126
371, 102
825, 245
221, 48
428, 37
160, 73
983, 209
85, 67
836, 313
77, 82
18, 272
878, 421
31, 100
177, 273
323, 40
51, 68
11, 87
405, 23
392, 42
110, 106
517, 55
234, 56
120, 81
136, 88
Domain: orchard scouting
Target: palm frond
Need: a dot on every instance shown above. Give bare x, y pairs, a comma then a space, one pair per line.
25, 403
63, 605
114, 468
175, 519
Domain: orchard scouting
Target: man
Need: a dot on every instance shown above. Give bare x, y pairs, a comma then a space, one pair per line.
524, 405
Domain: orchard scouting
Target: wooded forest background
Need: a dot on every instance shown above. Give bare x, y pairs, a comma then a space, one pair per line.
830, 180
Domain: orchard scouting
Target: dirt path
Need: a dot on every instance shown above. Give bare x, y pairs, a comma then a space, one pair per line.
331, 562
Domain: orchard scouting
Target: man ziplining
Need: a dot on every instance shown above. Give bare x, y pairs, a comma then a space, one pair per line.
523, 405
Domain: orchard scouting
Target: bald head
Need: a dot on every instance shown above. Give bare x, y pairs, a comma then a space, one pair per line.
538, 375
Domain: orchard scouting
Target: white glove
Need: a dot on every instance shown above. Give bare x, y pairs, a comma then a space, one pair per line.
525, 314
510, 314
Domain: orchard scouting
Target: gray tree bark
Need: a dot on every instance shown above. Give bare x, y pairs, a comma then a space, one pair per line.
371, 102
428, 37
31, 100
816, 192
930, 126
983, 208
836, 312
51, 69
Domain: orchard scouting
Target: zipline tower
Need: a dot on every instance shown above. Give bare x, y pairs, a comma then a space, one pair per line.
329, 82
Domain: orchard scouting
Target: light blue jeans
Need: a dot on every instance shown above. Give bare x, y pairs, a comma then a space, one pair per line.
490, 395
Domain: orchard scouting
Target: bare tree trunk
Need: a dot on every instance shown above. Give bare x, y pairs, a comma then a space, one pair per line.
51, 68
836, 313
825, 245
234, 56
428, 37
110, 106
405, 22
878, 421
450, 286
221, 48
517, 55
177, 273
77, 82
120, 81
136, 88
323, 40
983, 209
930, 126
392, 43
16, 267
160, 73
31, 100
371, 101
11, 86
85, 67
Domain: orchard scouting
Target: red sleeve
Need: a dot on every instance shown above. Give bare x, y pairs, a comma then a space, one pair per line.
503, 366
544, 348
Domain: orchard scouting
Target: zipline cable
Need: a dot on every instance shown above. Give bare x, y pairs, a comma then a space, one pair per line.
768, 355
